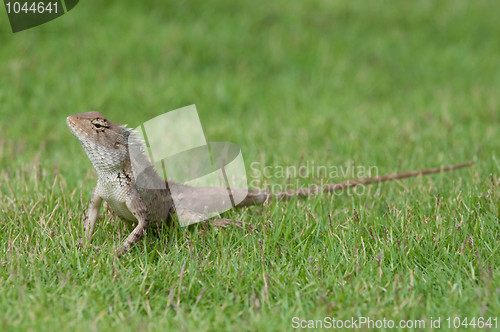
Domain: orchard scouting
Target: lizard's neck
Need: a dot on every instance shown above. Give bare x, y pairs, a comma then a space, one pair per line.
107, 162
105, 173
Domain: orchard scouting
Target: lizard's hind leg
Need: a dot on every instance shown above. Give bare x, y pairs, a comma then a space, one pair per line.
193, 217
225, 222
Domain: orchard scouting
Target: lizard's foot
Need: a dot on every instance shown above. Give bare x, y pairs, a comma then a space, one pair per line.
225, 222
83, 243
122, 250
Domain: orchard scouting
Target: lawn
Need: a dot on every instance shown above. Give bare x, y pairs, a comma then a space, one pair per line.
335, 85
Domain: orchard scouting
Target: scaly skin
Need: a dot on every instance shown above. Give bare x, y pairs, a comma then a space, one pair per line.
107, 145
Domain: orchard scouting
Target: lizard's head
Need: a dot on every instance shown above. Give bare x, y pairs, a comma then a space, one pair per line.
105, 143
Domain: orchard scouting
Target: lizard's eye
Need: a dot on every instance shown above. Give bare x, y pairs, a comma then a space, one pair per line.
100, 124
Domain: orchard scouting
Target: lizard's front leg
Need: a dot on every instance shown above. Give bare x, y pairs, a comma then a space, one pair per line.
91, 216
138, 208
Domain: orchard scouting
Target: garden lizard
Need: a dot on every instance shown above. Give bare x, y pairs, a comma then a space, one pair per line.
107, 146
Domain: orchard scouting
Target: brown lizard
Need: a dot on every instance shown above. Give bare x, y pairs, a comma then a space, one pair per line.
107, 146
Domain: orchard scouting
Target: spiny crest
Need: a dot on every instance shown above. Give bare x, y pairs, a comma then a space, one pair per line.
135, 139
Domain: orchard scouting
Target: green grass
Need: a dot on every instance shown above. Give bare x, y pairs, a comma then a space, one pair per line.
398, 86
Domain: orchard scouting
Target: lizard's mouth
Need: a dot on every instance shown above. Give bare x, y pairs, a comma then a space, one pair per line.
71, 124
73, 127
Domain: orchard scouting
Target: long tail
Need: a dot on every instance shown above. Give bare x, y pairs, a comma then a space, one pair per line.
260, 196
